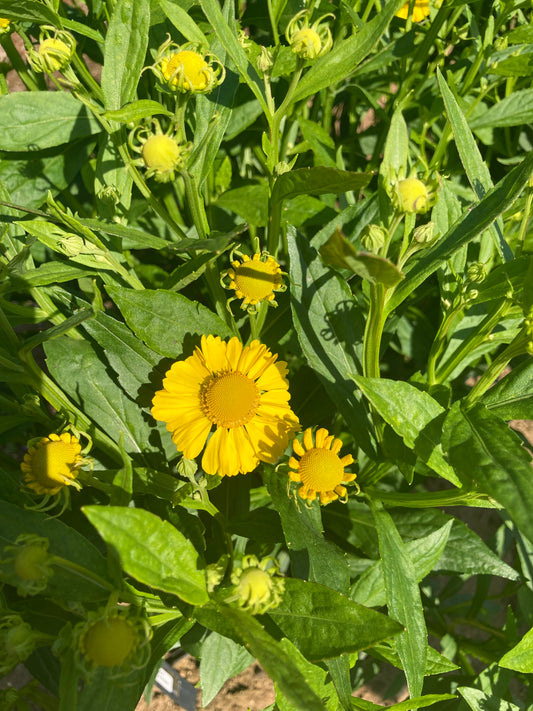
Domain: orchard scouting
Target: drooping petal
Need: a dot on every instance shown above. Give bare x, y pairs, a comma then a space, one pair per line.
190, 436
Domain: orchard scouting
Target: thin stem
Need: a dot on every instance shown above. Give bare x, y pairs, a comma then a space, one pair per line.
17, 63
373, 332
81, 572
439, 342
524, 223
273, 22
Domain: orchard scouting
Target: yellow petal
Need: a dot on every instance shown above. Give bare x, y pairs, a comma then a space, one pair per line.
274, 377
190, 436
214, 350
234, 352
308, 439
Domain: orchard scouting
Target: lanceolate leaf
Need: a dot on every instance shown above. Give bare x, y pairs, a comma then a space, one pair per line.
476, 169
479, 701
317, 181
151, 550
125, 49
322, 623
274, 659
403, 598
330, 329
487, 455
520, 658
413, 414
28, 11
512, 397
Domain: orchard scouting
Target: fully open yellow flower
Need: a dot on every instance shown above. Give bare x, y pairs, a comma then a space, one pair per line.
320, 469
52, 463
420, 10
240, 391
255, 279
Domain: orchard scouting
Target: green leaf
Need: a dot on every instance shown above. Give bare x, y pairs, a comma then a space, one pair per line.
512, 397
29, 181
153, 317
322, 623
75, 365
48, 273
317, 181
369, 588
151, 550
520, 657
488, 456
64, 542
314, 675
274, 659
513, 110
312, 556
340, 253
473, 223
34, 120
418, 702
250, 202
137, 110
394, 165
403, 598
131, 237
479, 701
28, 11
476, 169
228, 38
124, 52
213, 674
330, 327
184, 23
346, 54
436, 663
414, 415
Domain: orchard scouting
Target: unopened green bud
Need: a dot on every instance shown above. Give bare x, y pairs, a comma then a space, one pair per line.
424, 234
17, 642
476, 273
500, 43
258, 588
373, 237
309, 41
265, 61
29, 562
282, 167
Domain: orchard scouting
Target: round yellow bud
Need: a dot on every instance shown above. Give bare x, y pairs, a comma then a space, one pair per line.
29, 562
109, 642
306, 43
55, 54
162, 156
413, 195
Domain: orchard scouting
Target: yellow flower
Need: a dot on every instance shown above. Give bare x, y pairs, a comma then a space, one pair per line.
4, 25
29, 564
255, 279
420, 10
56, 49
187, 69
320, 469
52, 463
240, 391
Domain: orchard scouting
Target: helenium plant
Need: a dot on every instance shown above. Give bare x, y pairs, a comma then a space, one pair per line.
267, 311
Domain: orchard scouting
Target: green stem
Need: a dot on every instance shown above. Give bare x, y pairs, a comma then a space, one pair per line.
373, 331
81, 572
524, 222
273, 23
439, 343
477, 336
430, 499
516, 347
17, 63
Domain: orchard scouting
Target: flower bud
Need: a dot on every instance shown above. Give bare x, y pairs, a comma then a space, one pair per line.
373, 237
162, 155
424, 235
412, 195
476, 273
257, 587
309, 42
17, 641
265, 61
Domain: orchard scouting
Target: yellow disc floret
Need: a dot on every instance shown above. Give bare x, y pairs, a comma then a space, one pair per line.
309, 41
52, 463
320, 470
187, 68
4, 25
109, 642
255, 279
55, 54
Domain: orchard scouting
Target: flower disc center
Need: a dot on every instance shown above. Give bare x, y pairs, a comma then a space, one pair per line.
191, 65
256, 280
321, 469
230, 399
54, 462
108, 642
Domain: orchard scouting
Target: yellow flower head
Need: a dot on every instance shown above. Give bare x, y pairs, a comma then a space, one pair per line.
56, 49
309, 41
186, 69
255, 279
112, 639
161, 153
320, 469
420, 10
258, 587
4, 25
53, 462
241, 392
